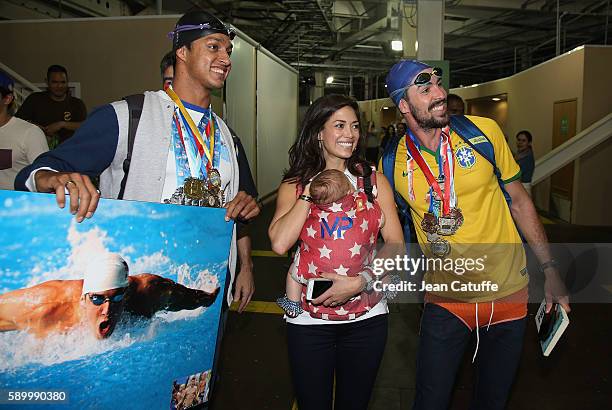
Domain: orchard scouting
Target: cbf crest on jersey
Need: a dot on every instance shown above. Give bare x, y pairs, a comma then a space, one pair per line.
465, 157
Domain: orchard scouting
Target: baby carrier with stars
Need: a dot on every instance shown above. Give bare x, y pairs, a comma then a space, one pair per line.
340, 238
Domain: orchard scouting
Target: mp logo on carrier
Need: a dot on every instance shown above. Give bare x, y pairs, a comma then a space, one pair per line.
465, 157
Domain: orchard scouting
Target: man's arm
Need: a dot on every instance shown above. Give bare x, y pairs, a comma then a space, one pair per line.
244, 206
55, 127
526, 217
79, 113
87, 154
150, 293
29, 308
245, 283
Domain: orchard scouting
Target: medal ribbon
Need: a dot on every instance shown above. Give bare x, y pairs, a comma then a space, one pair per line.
210, 129
445, 161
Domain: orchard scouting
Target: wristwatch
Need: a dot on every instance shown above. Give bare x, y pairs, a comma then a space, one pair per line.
306, 198
548, 264
369, 280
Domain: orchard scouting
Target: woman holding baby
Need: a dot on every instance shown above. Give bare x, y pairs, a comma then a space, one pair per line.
335, 205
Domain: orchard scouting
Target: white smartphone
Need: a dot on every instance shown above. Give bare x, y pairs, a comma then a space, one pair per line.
316, 287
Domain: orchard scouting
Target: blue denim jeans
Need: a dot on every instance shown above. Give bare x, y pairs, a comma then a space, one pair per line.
442, 343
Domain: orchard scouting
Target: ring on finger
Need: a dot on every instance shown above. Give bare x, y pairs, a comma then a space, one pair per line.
69, 182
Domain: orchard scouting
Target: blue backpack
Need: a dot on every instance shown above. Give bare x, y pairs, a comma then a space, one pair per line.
467, 131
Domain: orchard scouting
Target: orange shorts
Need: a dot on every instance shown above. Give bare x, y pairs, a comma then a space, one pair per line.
511, 307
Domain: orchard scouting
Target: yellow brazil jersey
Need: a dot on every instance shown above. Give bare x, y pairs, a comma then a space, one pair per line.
488, 235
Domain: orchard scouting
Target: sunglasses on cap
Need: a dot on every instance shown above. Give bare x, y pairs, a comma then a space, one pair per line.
222, 28
99, 300
425, 78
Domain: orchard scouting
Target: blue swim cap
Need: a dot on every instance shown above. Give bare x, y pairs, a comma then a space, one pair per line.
401, 75
6, 82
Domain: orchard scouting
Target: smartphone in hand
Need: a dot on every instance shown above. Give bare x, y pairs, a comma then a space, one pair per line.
316, 287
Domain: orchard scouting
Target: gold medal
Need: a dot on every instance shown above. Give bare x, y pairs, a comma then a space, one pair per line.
440, 247
194, 188
429, 223
214, 179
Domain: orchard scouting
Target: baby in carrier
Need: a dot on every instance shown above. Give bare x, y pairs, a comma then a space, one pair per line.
339, 236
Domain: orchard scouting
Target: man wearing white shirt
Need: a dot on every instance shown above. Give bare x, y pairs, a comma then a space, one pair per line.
20, 141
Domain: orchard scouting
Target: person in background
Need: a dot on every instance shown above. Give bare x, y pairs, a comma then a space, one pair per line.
372, 142
166, 68
389, 136
401, 129
524, 157
455, 105
55, 111
20, 141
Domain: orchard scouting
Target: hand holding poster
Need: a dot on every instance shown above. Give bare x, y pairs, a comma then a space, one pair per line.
120, 310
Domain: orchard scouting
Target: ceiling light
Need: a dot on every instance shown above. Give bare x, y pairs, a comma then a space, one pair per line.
496, 99
396, 45
385, 108
329, 79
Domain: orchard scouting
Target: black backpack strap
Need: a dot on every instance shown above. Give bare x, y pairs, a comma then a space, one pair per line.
388, 166
135, 103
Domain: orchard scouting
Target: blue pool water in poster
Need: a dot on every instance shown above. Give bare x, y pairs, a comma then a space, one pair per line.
136, 365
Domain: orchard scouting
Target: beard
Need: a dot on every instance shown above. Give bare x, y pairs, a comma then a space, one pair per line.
427, 121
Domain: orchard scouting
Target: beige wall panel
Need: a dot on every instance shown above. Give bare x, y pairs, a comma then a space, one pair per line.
277, 114
597, 84
531, 96
111, 58
240, 99
593, 187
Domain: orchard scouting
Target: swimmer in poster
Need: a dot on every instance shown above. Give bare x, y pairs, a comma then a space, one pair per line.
113, 310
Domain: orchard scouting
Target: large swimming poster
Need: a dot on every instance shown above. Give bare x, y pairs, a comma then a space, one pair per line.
119, 311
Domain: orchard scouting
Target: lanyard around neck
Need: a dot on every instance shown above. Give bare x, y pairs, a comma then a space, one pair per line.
210, 128
446, 158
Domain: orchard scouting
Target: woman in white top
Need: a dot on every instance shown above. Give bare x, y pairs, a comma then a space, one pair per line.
319, 349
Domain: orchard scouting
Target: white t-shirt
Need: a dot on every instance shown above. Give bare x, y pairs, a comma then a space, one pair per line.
305, 318
20, 144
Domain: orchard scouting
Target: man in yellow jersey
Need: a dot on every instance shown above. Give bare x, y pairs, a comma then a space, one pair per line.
460, 213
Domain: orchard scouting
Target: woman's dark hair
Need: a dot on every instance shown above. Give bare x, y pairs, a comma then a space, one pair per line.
306, 155
526, 133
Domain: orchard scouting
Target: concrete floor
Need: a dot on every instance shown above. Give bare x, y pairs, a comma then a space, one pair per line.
254, 370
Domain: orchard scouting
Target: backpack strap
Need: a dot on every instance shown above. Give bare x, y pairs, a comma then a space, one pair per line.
135, 103
388, 165
467, 130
